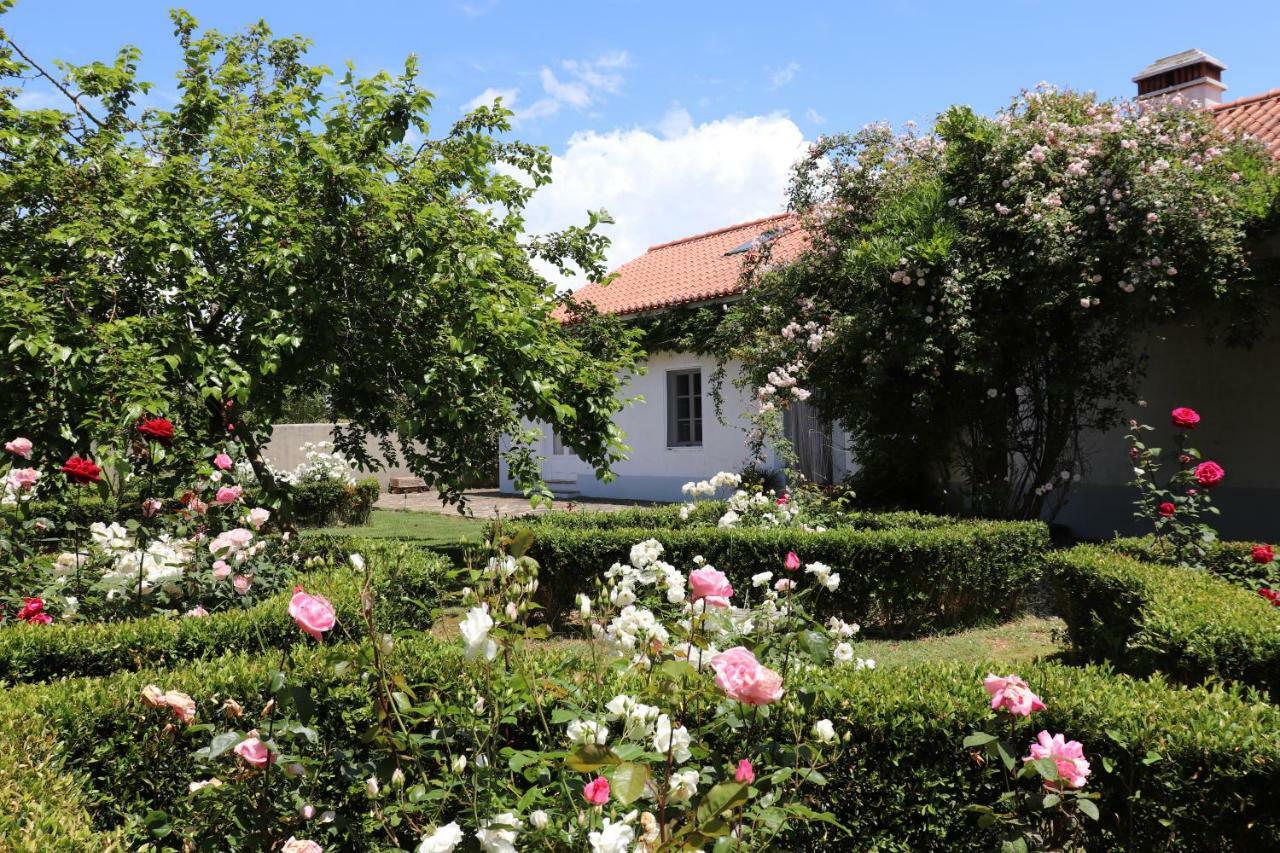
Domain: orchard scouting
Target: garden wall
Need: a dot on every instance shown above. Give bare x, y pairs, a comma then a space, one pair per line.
284, 450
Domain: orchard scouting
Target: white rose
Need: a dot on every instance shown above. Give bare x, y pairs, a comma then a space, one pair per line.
475, 631
443, 840
539, 819
824, 731
498, 833
843, 653
612, 838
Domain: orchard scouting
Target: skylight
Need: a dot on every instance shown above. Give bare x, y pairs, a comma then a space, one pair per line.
755, 242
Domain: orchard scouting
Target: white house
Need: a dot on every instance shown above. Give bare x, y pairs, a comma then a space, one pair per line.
676, 436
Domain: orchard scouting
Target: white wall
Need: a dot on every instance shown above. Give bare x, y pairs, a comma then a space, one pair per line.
654, 471
284, 450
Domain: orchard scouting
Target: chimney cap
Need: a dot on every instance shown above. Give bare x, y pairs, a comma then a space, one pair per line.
1178, 60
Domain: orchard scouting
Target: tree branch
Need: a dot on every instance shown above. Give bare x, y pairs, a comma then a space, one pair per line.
75, 99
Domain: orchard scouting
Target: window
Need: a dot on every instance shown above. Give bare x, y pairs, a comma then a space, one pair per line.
684, 408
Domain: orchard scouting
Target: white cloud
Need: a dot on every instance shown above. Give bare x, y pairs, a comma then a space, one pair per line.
488, 96
580, 84
814, 116
688, 179
782, 76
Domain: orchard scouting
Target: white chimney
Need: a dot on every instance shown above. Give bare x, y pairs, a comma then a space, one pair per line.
1193, 74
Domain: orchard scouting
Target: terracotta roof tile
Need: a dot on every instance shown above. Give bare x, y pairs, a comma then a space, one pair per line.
1258, 116
692, 269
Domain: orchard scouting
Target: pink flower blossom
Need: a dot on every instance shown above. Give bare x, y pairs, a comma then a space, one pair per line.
221, 571
223, 462
313, 613
23, 479
182, 705
197, 612
1067, 755
746, 773
242, 583
19, 447
745, 679
258, 517
792, 563
1012, 694
151, 506
228, 495
596, 791
784, 585
1209, 474
1184, 418
300, 845
254, 752
710, 585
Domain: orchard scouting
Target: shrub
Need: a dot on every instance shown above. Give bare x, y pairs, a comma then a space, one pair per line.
322, 503
901, 579
1188, 769
1231, 561
407, 578
1148, 617
706, 513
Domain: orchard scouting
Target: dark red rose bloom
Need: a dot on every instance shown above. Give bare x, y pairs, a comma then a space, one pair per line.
1167, 508
1209, 474
1184, 418
31, 607
1263, 554
157, 429
1270, 595
81, 471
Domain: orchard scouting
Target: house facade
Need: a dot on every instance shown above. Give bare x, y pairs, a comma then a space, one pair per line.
676, 436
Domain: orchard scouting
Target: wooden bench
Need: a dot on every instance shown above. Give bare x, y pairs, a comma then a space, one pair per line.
401, 485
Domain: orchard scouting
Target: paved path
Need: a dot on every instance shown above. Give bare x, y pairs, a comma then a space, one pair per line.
486, 503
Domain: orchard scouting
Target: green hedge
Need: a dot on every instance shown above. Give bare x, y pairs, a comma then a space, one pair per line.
707, 513
901, 580
901, 781
1231, 560
1148, 617
408, 579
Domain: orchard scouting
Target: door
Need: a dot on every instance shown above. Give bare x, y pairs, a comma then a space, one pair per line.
811, 440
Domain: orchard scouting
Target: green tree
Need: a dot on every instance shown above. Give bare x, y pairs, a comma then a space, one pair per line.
974, 298
274, 237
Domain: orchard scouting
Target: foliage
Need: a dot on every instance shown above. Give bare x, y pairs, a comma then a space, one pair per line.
1248, 565
320, 503
900, 580
974, 298
410, 581
277, 234
707, 514
1176, 509
1147, 617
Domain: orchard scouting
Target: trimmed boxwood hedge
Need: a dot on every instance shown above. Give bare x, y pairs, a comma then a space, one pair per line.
901, 784
667, 517
1148, 617
408, 580
900, 580
1230, 559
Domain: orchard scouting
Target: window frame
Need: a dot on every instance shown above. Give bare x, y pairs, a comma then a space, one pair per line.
694, 419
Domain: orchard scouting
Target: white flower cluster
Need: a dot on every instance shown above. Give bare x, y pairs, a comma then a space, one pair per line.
823, 575
162, 561
758, 509
320, 462
708, 488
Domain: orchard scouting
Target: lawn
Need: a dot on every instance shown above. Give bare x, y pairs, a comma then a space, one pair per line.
426, 528
1015, 642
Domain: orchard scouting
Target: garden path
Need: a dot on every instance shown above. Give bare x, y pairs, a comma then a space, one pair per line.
487, 503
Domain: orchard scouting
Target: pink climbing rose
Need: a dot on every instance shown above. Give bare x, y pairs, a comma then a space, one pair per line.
313, 613
746, 773
596, 791
1185, 418
228, 495
1209, 474
745, 679
1012, 694
222, 461
1067, 755
19, 447
254, 752
710, 585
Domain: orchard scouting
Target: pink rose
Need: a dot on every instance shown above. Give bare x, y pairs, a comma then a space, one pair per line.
153, 696
151, 506
1185, 418
231, 541
301, 845
228, 495
19, 447
221, 571
313, 613
596, 791
1012, 694
1067, 755
710, 585
746, 773
784, 585
182, 705
242, 583
254, 752
23, 479
258, 517
1209, 474
196, 611
223, 462
745, 679
792, 563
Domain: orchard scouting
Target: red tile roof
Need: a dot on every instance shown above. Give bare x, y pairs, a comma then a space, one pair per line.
692, 269
1258, 116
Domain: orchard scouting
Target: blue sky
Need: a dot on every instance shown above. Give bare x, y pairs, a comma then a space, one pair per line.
679, 117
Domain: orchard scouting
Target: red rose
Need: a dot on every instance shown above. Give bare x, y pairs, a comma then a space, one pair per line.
1263, 554
1209, 474
157, 429
1184, 418
80, 470
1270, 595
1167, 508
31, 607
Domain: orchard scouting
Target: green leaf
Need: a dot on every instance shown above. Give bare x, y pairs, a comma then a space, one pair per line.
591, 757
722, 797
979, 739
1088, 808
628, 781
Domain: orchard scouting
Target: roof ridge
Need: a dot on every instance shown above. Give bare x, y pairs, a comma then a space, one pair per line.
1248, 99
726, 229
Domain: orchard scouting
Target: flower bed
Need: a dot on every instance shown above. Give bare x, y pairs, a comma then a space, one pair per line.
902, 580
1148, 617
408, 580
1249, 565
707, 514
1205, 762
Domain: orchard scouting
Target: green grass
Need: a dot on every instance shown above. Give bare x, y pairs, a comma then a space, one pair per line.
1021, 640
426, 528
